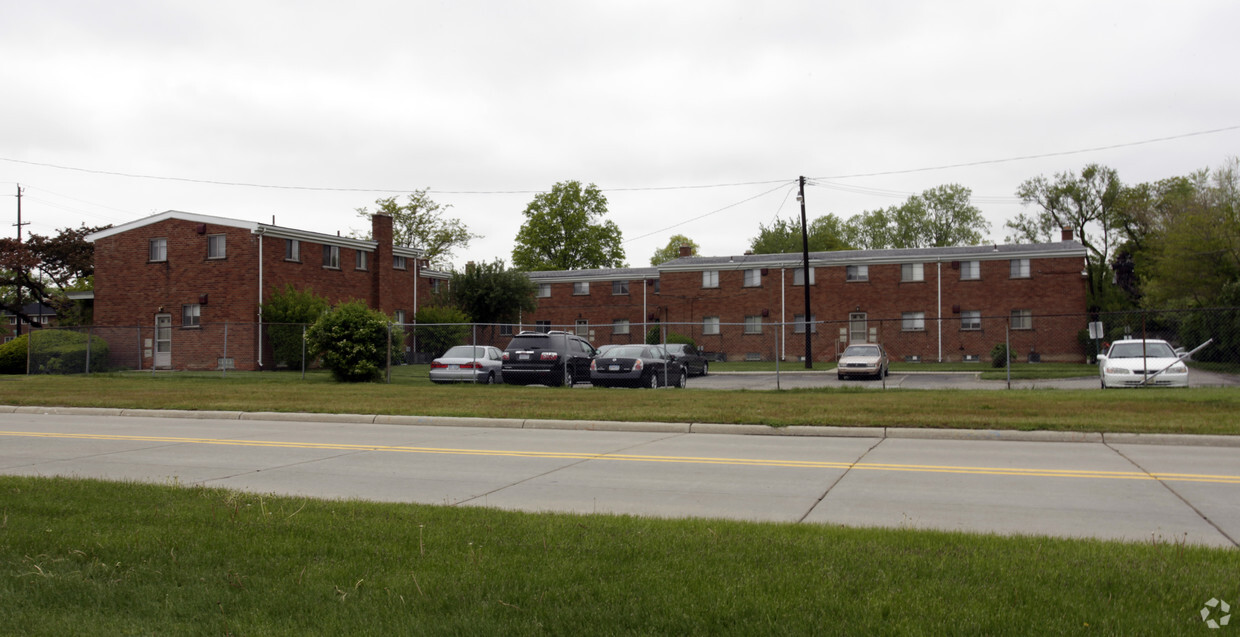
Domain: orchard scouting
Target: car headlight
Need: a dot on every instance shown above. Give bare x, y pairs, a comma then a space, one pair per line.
1116, 370
1177, 369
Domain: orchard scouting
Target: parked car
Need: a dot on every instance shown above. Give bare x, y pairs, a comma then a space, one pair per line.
602, 349
863, 359
552, 358
690, 358
638, 366
1136, 362
468, 364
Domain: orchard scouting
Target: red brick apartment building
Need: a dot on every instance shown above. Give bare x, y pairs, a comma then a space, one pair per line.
944, 304
182, 291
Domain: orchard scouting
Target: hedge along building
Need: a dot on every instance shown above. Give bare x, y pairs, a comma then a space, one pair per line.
179, 290
945, 304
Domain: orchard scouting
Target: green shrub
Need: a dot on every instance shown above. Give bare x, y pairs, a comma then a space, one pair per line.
654, 335
999, 355
351, 340
285, 314
53, 352
439, 328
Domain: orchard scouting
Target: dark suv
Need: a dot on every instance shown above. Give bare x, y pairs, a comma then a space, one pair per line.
547, 358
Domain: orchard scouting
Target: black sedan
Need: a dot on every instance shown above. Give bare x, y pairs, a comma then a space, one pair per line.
638, 366
689, 357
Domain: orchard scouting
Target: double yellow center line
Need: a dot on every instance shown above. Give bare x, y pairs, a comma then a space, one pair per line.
739, 462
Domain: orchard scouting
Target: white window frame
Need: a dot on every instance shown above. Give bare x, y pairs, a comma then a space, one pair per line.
970, 270
542, 326
191, 315
798, 276
620, 326
157, 250
1022, 319
913, 322
753, 278
362, 259
581, 288
399, 262
544, 290
710, 278
970, 320
399, 317
710, 325
856, 273
753, 324
620, 288
912, 272
582, 328
216, 246
292, 250
331, 256
798, 324
1020, 269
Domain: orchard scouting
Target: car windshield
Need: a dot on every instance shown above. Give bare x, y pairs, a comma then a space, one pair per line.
628, 351
1133, 350
465, 351
861, 350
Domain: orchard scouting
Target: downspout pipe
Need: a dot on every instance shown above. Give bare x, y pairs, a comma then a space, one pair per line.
259, 231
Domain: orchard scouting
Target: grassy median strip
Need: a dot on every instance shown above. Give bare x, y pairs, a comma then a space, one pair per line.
1198, 411
92, 557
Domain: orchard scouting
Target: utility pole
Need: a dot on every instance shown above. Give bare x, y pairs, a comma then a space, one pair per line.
809, 356
20, 273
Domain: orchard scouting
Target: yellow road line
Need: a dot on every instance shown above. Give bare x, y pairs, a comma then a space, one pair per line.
748, 462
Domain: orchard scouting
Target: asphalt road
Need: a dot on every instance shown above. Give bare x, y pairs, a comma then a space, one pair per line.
1111, 490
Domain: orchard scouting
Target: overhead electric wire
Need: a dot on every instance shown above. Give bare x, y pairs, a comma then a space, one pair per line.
703, 216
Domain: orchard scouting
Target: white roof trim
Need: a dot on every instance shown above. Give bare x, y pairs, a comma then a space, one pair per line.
256, 228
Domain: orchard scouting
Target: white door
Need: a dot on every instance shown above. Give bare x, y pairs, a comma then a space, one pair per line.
857, 332
163, 340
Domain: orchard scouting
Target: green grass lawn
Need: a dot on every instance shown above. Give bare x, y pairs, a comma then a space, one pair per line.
1198, 410
88, 557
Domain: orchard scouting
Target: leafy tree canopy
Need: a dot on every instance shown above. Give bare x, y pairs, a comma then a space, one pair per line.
420, 222
783, 236
491, 293
43, 269
565, 229
939, 217
672, 249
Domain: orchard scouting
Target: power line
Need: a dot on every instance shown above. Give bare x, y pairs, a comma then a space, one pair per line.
782, 184
1041, 156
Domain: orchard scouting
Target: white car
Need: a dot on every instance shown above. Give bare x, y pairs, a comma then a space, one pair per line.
1137, 363
468, 364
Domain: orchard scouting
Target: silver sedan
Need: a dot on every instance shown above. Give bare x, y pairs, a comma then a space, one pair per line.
469, 364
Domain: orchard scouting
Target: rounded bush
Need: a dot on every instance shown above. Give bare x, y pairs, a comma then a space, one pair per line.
351, 341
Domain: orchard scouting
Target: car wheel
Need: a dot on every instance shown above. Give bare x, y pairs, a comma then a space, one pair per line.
651, 381
569, 378
705, 368
683, 381
490, 378
841, 376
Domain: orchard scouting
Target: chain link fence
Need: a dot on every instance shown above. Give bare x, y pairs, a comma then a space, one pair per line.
766, 343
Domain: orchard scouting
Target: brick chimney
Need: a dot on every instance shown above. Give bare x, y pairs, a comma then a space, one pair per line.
686, 250
1066, 233
381, 291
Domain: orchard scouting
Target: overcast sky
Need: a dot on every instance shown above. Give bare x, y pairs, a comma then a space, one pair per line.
693, 117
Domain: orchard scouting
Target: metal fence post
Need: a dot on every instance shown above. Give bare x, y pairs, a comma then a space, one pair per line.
389, 354
88, 331
1007, 354
303, 352
224, 360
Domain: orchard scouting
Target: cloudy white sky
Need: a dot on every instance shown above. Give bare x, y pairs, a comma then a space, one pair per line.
693, 117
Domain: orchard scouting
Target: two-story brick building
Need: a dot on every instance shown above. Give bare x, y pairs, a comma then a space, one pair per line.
928, 304
169, 286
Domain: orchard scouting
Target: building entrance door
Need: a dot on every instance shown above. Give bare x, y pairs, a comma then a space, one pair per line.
857, 332
163, 341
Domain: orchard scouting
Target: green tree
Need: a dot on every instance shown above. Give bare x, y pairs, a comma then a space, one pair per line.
564, 229
439, 328
1087, 204
672, 249
491, 293
1193, 249
783, 236
286, 314
42, 269
420, 222
938, 217
351, 340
